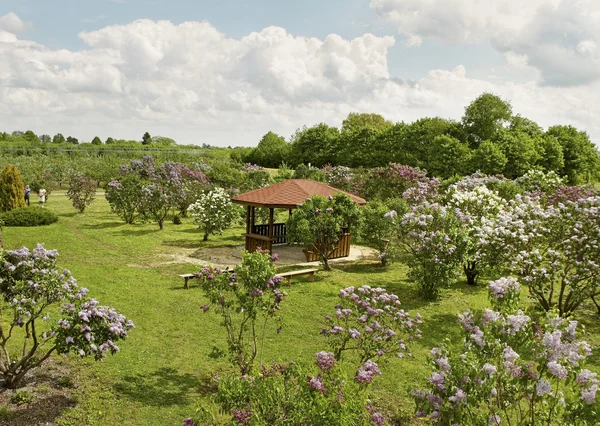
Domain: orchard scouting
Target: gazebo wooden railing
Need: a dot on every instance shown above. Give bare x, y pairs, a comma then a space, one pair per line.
279, 234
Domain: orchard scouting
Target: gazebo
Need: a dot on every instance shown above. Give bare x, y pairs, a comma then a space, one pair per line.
285, 195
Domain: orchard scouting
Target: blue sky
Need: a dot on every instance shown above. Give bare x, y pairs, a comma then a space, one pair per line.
402, 58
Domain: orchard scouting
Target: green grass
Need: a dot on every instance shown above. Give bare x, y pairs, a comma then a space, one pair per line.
160, 375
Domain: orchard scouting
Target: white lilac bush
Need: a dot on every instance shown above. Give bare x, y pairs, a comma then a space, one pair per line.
471, 206
554, 250
213, 211
31, 284
537, 180
511, 369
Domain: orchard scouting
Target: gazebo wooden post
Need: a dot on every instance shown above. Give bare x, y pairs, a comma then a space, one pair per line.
247, 245
270, 242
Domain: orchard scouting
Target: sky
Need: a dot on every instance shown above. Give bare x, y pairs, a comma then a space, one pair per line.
225, 73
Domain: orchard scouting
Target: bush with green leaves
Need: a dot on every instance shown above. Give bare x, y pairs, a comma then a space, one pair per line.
12, 189
319, 221
81, 192
299, 394
511, 369
29, 216
32, 289
379, 225
213, 212
245, 300
124, 196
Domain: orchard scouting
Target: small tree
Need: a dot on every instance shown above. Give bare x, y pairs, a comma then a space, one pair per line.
81, 192
146, 139
244, 299
31, 286
319, 221
124, 196
379, 225
155, 203
12, 189
213, 212
96, 141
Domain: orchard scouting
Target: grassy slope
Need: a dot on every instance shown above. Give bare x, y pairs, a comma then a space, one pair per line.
158, 377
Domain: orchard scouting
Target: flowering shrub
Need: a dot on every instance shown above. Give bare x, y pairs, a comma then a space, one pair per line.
344, 178
511, 370
213, 212
124, 196
537, 180
30, 284
432, 242
555, 250
242, 298
81, 192
369, 321
398, 180
319, 221
471, 206
296, 394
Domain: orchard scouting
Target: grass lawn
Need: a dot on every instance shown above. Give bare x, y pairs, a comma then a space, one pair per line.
161, 375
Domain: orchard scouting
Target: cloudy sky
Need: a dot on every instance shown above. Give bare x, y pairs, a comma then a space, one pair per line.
226, 72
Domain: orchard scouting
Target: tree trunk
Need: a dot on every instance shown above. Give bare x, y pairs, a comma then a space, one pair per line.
471, 272
205, 236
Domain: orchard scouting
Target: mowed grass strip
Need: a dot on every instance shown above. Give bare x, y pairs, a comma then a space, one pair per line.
161, 375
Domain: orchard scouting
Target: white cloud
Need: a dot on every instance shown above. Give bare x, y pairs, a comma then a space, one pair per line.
558, 37
11, 23
192, 83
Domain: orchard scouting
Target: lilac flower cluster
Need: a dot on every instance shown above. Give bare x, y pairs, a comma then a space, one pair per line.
503, 287
370, 321
554, 250
506, 355
367, 373
33, 282
325, 360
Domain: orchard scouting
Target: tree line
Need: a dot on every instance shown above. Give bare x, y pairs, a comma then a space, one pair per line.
489, 138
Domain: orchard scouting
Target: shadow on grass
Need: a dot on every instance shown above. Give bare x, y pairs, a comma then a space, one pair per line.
68, 214
163, 388
103, 225
362, 268
439, 327
138, 232
40, 411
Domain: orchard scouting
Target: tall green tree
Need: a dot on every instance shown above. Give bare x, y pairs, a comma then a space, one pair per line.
271, 151
96, 141
58, 138
581, 160
12, 189
109, 141
448, 157
488, 158
521, 152
73, 140
358, 137
485, 116
316, 145
45, 138
31, 137
146, 139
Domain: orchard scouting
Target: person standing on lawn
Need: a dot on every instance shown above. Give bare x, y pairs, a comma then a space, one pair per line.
27, 194
42, 195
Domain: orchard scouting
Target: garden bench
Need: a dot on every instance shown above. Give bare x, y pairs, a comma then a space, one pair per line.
186, 277
289, 275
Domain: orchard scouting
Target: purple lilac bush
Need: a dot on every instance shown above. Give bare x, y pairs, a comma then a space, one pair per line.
31, 283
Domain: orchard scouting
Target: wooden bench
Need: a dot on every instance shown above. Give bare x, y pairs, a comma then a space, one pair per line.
186, 277
289, 275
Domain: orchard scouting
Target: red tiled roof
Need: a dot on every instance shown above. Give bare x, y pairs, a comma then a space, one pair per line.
290, 193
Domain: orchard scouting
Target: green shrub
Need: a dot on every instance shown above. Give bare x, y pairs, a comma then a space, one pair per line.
12, 189
33, 216
6, 414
